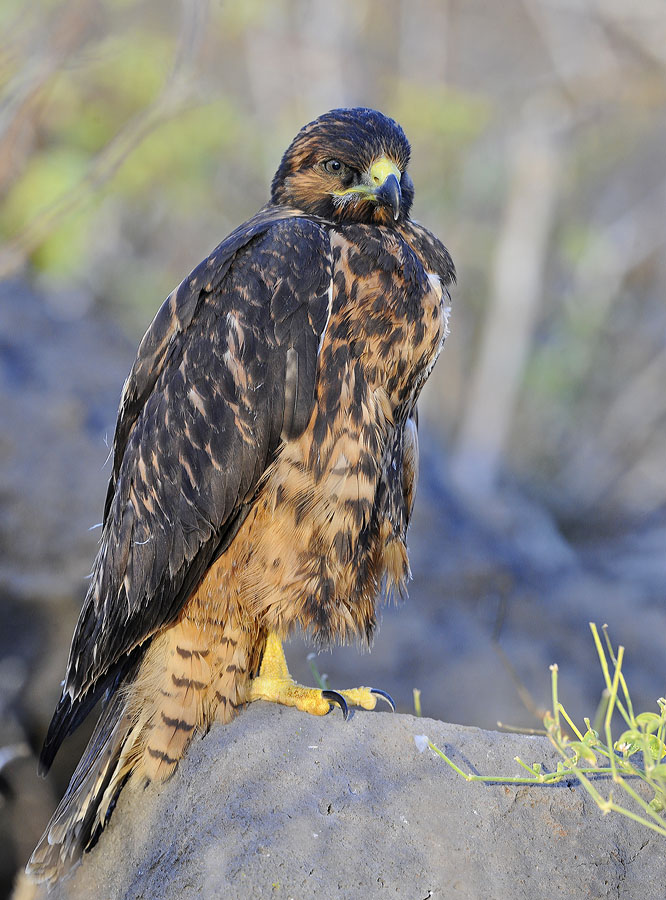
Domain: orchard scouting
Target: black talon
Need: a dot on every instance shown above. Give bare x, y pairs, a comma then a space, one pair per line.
384, 696
334, 697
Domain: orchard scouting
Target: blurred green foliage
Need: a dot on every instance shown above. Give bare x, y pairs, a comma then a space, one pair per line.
135, 134
108, 64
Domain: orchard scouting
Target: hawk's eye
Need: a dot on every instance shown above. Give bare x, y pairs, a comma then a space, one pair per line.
334, 166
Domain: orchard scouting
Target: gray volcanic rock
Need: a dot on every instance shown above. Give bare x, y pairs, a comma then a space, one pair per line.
282, 804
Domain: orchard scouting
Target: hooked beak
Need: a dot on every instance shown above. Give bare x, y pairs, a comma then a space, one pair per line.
385, 178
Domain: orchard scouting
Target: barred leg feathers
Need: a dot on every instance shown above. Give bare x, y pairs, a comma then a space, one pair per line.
178, 680
231, 685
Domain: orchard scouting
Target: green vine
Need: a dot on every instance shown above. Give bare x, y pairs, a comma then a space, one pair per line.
635, 756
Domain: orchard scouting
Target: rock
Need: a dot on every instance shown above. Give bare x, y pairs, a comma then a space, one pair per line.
281, 804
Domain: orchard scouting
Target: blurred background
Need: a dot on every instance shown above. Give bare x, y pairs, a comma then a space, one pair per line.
135, 134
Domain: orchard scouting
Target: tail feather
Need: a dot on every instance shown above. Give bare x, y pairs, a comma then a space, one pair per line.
83, 811
70, 713
67, 717
145, 728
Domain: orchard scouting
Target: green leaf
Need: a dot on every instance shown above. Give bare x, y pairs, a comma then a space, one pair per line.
583, 751
656, 748
648, 721
629, 742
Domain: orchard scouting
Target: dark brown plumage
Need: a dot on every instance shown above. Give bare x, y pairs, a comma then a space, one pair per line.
264, 462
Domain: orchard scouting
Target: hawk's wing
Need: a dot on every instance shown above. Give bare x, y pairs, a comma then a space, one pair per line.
228, 365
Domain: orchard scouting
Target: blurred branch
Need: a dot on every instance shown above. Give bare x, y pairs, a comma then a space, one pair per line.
642, 25
639, 406
324, 36
176, 95
423, 52
575, 41
193, 21
514, 303
617, 249
42, 51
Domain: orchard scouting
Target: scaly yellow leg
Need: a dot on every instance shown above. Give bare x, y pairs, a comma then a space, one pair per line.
274, 683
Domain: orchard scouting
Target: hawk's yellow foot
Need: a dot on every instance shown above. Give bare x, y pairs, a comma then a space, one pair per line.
274, 683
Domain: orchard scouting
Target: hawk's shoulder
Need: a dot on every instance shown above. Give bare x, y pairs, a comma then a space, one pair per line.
284, 231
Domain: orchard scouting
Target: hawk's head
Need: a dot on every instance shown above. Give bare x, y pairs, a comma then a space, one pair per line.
349, 165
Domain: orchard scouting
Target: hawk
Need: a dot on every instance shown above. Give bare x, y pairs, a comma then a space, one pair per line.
264, 465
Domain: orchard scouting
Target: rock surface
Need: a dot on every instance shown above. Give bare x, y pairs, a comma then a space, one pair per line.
281, 804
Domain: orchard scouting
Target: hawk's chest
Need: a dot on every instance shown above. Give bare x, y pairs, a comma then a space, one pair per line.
388, 313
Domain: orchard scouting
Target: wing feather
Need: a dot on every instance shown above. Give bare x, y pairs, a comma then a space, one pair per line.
200, 419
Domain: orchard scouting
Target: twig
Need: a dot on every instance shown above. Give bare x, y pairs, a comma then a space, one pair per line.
175, 95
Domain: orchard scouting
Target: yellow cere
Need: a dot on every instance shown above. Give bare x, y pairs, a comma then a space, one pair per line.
381, 169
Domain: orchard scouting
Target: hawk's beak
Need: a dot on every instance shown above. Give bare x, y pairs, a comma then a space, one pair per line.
385, 177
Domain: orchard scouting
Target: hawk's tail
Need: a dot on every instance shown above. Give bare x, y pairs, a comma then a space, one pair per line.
92, 793
146, 726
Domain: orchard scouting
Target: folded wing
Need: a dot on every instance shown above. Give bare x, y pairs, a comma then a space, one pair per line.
227, 368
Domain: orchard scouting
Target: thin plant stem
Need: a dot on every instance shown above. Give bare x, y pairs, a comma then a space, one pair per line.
645, 730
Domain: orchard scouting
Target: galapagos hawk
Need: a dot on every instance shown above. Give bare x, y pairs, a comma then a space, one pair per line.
264, 465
